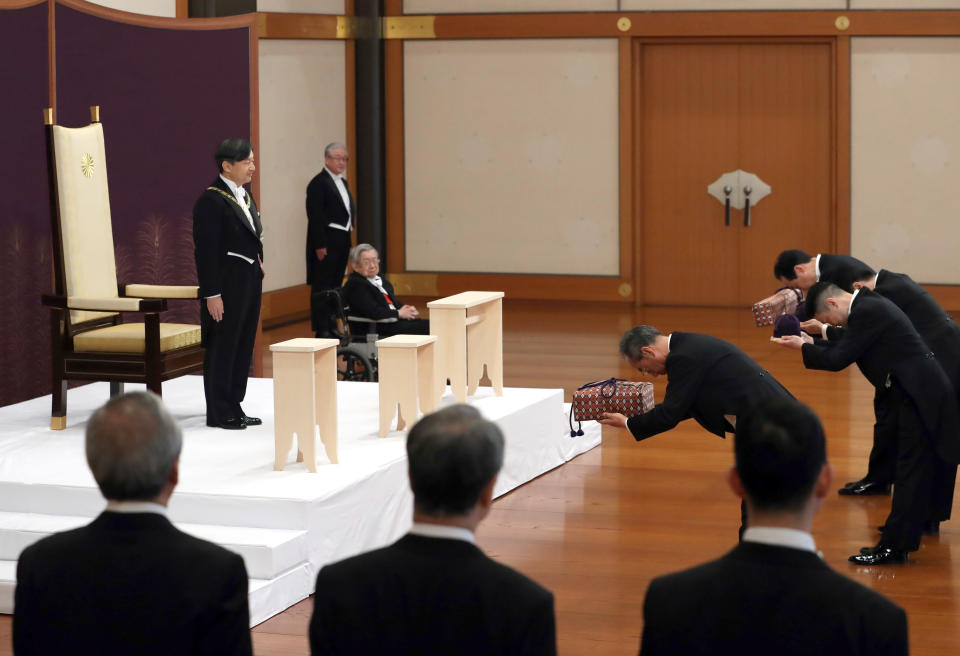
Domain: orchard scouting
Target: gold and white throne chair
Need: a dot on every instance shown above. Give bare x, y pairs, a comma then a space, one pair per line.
90, 339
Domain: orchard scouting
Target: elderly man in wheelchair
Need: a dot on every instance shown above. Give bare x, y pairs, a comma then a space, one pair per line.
364, 310
370, 297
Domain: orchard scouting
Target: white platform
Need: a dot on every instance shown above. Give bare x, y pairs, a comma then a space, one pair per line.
285, 524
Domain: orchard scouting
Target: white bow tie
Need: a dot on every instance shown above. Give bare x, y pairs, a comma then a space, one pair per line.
241, 193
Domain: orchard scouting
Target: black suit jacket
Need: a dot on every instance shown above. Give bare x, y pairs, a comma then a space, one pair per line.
843, 270
366, 301
762, 599
324, 206
130, 584
219, 227
428, 596
937, 329
887, 348
708, 378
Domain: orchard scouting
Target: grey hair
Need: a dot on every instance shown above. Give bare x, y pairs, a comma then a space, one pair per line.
132, 443
357, 252
332, 146
635, 339
452, 455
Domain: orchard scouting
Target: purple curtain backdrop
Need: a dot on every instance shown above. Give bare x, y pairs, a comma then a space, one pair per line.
25, 252
167, 99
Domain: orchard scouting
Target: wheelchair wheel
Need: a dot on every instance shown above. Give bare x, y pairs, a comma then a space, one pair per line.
353, 366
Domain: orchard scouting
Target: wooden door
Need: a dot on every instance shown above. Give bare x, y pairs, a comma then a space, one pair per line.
709, 108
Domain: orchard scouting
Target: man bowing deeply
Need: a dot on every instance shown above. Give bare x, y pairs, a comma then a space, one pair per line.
229, 254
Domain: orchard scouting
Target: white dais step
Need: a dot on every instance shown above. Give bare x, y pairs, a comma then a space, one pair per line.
266, 552
8, 581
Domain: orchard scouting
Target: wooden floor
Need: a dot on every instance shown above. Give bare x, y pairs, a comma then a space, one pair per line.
596, 530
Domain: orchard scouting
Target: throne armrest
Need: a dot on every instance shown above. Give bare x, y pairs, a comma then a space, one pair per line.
369, 320
105, 304
162, 291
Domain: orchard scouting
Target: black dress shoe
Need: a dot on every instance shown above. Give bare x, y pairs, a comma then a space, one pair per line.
880, 556
851, 484
251, 421
865, 489
231, 423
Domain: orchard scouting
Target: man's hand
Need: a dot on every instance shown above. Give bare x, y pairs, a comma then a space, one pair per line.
408, 312
215, 307
613, 419
812, 326
321, 253
795, 341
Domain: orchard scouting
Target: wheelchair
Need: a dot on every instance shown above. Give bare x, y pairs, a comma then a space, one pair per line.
357, 353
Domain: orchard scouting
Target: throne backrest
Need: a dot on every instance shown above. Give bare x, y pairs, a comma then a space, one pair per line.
86, 230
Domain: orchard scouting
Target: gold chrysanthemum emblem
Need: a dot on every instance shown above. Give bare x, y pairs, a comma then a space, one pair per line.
86, 165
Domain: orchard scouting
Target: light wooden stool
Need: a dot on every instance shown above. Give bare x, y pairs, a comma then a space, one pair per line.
407, 378
304, 396
469, 327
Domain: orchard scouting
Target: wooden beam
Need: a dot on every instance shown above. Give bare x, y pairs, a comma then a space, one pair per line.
698, 24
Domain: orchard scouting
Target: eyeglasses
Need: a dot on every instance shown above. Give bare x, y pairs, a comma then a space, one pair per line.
368, 261
339, 158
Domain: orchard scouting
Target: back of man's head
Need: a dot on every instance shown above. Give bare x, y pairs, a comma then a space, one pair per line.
635, 339
817, 297
783, 267
780, 450
452, 455
132, 444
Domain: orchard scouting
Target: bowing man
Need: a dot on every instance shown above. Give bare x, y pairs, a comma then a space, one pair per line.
892, 356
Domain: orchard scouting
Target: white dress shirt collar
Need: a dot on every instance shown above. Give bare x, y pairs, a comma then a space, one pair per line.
852, 299
335, 176
136, 507
780, 537
234, 187
818, 267
443, 531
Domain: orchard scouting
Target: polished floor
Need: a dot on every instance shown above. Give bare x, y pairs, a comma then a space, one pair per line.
596, 530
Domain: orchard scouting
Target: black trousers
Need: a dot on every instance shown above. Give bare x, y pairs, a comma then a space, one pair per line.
328, 274
917, 465
229, 343
882, 465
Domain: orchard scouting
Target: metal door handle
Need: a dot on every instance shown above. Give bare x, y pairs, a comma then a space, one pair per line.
727, 190
746, 205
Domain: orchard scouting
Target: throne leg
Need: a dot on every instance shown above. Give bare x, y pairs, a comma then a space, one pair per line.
116, 388
58, 413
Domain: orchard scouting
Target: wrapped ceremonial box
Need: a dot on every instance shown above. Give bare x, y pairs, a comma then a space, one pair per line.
611, 395
784, 301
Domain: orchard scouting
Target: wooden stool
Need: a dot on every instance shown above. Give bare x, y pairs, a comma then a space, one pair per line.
469, 327
407, 378
304, 396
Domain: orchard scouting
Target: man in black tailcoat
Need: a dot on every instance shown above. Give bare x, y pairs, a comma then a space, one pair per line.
917, 393
130, 582
331, 215
229, 255
772, 594
708, 379
795, 268
942, 334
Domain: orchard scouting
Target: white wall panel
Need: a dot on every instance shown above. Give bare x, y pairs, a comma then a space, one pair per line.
512, 156
302, 6
302, 108
728, 5
905, 99
166, 8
